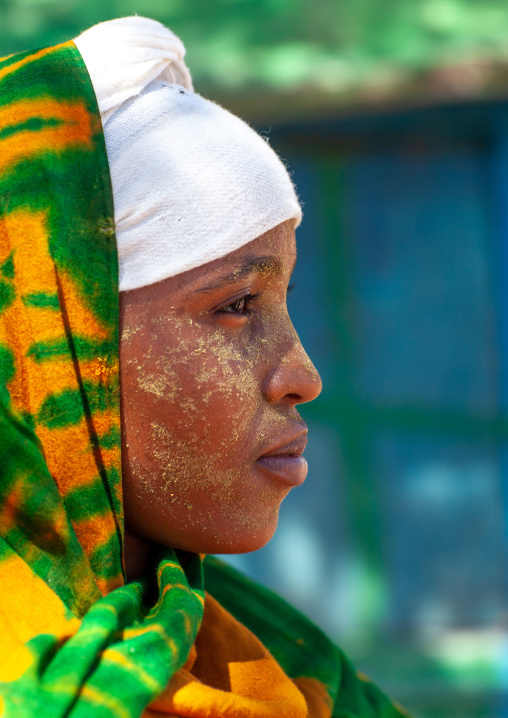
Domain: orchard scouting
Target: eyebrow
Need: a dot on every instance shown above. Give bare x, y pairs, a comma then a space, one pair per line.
268, 266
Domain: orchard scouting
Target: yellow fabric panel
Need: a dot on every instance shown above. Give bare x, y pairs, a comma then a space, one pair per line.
28, 607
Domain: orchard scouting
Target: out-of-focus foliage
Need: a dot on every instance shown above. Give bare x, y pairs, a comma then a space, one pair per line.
327, 44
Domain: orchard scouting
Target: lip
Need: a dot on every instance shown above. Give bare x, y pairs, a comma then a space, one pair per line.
284, 460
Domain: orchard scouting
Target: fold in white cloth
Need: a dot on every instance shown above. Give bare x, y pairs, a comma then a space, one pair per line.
122, 56
191, 182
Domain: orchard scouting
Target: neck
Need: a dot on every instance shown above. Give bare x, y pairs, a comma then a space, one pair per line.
136, 552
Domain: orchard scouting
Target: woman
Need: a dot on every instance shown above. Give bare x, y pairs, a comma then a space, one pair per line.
199, 391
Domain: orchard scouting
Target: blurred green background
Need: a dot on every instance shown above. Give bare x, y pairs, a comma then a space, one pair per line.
339, 50
393, 117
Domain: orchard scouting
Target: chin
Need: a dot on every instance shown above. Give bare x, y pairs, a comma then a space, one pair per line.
243, 546
233, 541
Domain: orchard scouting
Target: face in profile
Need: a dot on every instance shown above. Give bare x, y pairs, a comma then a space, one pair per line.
212, 373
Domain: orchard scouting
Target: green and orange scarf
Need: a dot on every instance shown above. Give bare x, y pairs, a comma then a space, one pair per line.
75, 639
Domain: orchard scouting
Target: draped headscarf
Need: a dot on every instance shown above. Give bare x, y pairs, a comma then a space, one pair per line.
191, 182
75, 638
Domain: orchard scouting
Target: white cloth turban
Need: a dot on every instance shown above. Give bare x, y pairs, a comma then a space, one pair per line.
191, 182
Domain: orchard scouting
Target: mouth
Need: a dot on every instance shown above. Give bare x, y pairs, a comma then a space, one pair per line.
284, 461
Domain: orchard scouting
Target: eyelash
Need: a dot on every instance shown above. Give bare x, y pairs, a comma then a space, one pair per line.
245, 303
241, 305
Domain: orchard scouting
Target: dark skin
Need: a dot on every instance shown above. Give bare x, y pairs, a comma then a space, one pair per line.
212, 372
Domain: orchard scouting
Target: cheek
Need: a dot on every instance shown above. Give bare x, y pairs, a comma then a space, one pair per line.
215, 407
199, 391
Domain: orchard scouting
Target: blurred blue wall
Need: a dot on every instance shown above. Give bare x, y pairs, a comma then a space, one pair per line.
401, 299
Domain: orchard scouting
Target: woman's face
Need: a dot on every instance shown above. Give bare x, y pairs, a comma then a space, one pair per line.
212, 371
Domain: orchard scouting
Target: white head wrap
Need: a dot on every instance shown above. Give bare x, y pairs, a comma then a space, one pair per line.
191, 182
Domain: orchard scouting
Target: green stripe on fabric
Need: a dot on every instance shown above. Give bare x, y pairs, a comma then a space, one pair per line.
34, 124
115, 482
106, 558
85, 501
7, 295
61, 410
42, 300
7, 268
29, 420
66, 408
7, 365
111, 438
86, 348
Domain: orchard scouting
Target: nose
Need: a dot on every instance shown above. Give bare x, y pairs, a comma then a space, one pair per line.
293, 379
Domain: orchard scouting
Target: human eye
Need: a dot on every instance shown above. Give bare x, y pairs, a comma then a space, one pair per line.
240, 306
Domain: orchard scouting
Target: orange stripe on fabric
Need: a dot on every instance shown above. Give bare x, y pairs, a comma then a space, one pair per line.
9, 508
32, 58
25, 231
111, 457
62, 443
95, 369
95, 531
104, 422
81, 319
106, 585
76, 129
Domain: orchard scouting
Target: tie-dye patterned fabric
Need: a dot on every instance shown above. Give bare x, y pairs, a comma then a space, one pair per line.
75, 640
72, 636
